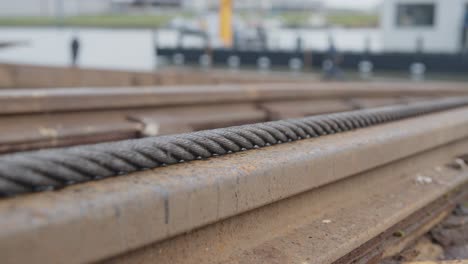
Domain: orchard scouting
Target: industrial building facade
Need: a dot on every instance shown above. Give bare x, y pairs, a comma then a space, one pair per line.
432, 26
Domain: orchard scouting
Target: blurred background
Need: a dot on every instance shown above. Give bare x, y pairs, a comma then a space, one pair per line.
382, 38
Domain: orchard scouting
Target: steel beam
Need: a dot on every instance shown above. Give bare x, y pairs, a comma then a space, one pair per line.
17, 101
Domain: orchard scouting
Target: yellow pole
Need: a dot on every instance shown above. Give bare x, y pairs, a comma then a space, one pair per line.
225, 23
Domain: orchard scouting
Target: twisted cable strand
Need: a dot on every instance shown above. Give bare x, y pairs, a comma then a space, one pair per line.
55, 168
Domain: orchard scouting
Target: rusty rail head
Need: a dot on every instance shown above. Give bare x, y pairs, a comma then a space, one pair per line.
82, 99
153, 205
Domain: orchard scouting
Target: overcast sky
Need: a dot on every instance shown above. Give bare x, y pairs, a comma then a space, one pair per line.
358, 4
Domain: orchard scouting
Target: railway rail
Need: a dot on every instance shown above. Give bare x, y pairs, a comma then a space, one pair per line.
338, 195
42, 118
35, 76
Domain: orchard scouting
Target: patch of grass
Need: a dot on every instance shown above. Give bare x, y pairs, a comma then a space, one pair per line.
289, 18
296, 19
114, 21
337, 18
27, 21
119, 21
353, 19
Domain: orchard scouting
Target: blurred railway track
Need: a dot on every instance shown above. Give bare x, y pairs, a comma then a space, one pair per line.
42, 118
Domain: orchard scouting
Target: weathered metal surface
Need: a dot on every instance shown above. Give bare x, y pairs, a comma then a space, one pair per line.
448, 240
153, 205
52, 130
362, 103
182, 119
350, 221
26, 132
296, 109
80, 99
422, 222
142, 111
34, 76
58, 168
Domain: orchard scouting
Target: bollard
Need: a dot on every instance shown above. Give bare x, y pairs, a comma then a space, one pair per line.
417, 71
327, 65
366, 69
263, 63
178, 59
295, 64
233, 62
205, 61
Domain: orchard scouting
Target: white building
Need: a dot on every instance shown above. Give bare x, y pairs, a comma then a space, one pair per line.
433, 26
79, 7
53, 7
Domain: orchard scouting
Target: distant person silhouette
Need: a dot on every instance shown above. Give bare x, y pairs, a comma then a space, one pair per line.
332, 70
75, 50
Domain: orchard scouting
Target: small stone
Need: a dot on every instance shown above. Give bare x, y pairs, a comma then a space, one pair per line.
423, 180
326, 221
457, 252
448, 237
458, 164
462, 209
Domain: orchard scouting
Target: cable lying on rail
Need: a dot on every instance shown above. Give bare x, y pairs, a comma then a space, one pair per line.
56, 168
